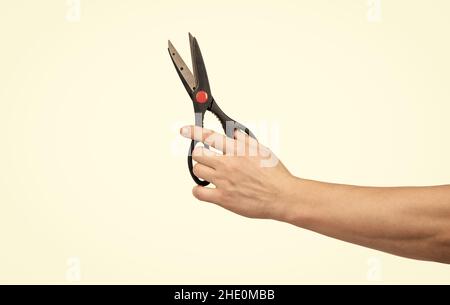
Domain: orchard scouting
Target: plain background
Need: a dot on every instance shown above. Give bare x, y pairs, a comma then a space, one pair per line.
92, 168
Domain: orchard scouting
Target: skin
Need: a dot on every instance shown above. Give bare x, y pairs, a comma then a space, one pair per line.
413, 222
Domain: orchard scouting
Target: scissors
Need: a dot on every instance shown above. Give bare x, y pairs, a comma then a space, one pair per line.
197, 86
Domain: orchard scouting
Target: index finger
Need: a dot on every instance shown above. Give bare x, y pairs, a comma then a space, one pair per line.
208, 137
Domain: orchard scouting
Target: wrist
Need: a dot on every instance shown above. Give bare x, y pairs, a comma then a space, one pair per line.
297, 206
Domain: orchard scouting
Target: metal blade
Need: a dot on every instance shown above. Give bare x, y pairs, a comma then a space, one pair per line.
183, 70
198, 65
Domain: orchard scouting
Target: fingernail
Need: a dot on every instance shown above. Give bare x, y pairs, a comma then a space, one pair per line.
185, 131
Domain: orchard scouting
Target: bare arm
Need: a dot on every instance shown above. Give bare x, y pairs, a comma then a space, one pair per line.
408, 221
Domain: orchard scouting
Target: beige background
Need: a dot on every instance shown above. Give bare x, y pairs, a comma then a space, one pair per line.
92, 170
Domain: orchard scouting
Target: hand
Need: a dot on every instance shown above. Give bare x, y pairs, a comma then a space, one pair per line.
249, 180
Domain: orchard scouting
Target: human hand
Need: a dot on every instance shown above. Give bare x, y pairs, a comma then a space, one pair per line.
249, 180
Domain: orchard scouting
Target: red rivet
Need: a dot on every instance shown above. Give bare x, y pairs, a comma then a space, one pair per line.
201, 97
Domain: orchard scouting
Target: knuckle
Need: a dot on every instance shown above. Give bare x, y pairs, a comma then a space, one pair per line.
196, 169
219, 161
227, 183
232, 165
197, 151
207, 135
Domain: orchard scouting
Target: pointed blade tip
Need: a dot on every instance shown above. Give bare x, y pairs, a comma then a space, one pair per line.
191, 37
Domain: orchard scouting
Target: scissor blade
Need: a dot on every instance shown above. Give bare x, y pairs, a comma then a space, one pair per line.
183, 70
198, 65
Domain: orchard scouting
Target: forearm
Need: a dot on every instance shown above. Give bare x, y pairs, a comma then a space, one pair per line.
408, 221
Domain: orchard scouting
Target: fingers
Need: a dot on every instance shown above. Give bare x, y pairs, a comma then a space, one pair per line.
245, 144
205, 156
241, 136
206, 194
209, 137
241, 145
204, 172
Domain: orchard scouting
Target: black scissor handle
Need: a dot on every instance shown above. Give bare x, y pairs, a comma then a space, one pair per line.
239, 126
194, 143
191, 166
